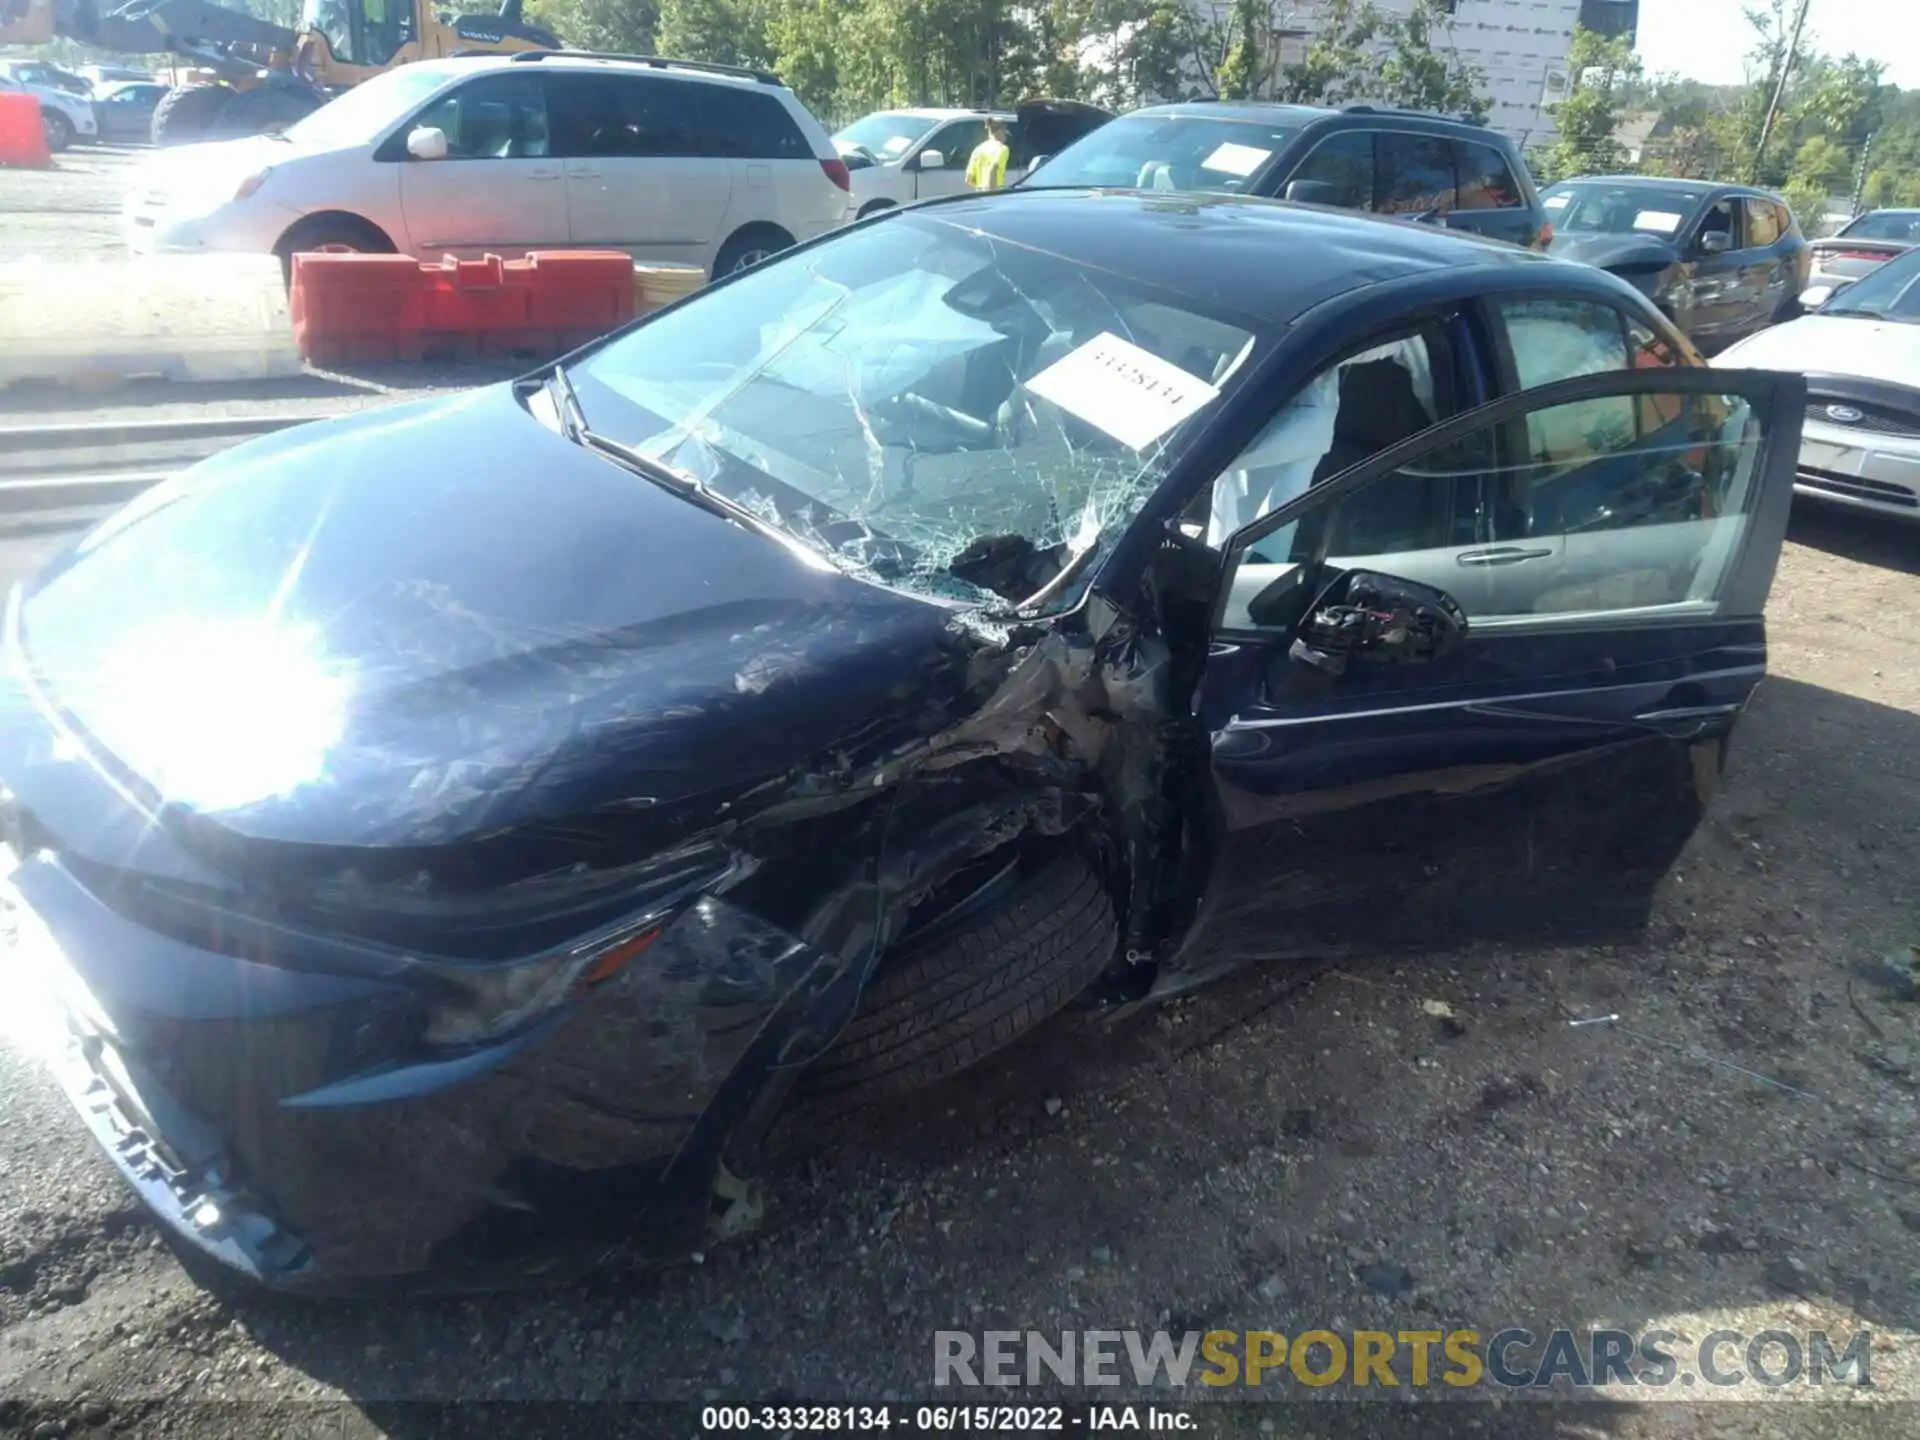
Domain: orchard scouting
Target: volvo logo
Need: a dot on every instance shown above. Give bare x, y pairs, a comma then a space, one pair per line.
1845, 414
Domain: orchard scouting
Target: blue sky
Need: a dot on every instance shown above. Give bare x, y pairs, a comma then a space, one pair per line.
1705, 39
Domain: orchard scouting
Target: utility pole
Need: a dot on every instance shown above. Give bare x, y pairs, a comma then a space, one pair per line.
1779, 90
1860, 179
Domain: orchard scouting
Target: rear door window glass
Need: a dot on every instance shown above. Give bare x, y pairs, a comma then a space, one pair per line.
1416, 174
1763, 223
1486, 180
745, 124
622, 116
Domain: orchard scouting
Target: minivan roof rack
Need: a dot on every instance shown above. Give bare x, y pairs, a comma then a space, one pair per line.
657, 62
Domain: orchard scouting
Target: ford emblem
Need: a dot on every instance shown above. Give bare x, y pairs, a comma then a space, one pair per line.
1845, 414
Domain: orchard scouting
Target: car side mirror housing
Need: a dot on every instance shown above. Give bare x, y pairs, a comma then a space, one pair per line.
1715, 242
931, 160
1814, 296
1037, 161
1311, 192
427, 142
1371, 619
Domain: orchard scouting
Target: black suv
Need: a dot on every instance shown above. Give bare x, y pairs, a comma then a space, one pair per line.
1390, 162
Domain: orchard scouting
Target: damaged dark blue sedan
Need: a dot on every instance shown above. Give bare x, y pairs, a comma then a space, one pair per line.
446, 837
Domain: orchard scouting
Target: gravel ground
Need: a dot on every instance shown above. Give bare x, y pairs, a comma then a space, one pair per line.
1280, 1151
72, 209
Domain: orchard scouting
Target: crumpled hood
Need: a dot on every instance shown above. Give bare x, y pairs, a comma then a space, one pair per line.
1615, 252
441, 619
1833, 345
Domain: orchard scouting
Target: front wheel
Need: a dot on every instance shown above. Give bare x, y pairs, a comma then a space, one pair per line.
1036, 933
338, 234
59, 130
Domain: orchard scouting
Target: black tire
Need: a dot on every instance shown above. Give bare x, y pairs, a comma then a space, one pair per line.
873, 207
190, 113
748, 248
58, 129
265, 108
330, 232
970, 986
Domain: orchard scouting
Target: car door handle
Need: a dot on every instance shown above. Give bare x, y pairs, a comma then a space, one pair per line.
1501, 555
543, 175
1685, 722
583, 172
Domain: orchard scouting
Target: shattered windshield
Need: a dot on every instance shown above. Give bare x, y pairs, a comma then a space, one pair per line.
952, 415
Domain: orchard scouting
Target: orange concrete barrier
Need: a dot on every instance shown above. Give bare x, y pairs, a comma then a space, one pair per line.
349, 307
23, 135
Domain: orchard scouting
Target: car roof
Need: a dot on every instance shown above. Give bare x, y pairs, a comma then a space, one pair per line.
1259, 112
1668, 183
944, 112
1259, 257
1276, 112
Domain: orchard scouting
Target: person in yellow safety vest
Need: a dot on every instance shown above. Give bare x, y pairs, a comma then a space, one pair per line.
987, 166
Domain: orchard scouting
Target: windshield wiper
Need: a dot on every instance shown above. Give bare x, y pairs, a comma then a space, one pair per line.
566, 404
573, 425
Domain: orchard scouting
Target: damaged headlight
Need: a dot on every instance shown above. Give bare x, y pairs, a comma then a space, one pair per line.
473, 1004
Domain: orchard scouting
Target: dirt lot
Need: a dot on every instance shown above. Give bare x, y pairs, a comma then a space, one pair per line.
72, 210
1281, 1151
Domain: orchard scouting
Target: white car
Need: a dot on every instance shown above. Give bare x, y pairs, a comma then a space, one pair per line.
1860, 352
899, 156
66, 117
671, 161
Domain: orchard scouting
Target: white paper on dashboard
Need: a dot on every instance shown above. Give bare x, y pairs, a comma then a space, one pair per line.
1115, 386
1235, 159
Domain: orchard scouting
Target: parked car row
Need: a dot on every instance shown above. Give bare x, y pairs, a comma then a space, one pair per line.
67, 118
113, 105
723, 167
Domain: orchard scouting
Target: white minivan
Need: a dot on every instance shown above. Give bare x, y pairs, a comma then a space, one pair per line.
899, 156
672, 161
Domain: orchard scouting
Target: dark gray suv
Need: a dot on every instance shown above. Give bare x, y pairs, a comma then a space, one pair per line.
1390, 162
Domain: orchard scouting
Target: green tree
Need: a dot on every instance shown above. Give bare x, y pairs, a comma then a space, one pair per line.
1362, 52
1422, 75
1243, 70
723, 32
1603, 73
1339, 66
624, 26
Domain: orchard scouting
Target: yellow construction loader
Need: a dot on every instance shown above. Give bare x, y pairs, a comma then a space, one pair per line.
252, 75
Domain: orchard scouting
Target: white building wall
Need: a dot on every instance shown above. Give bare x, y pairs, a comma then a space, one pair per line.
1519, 45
